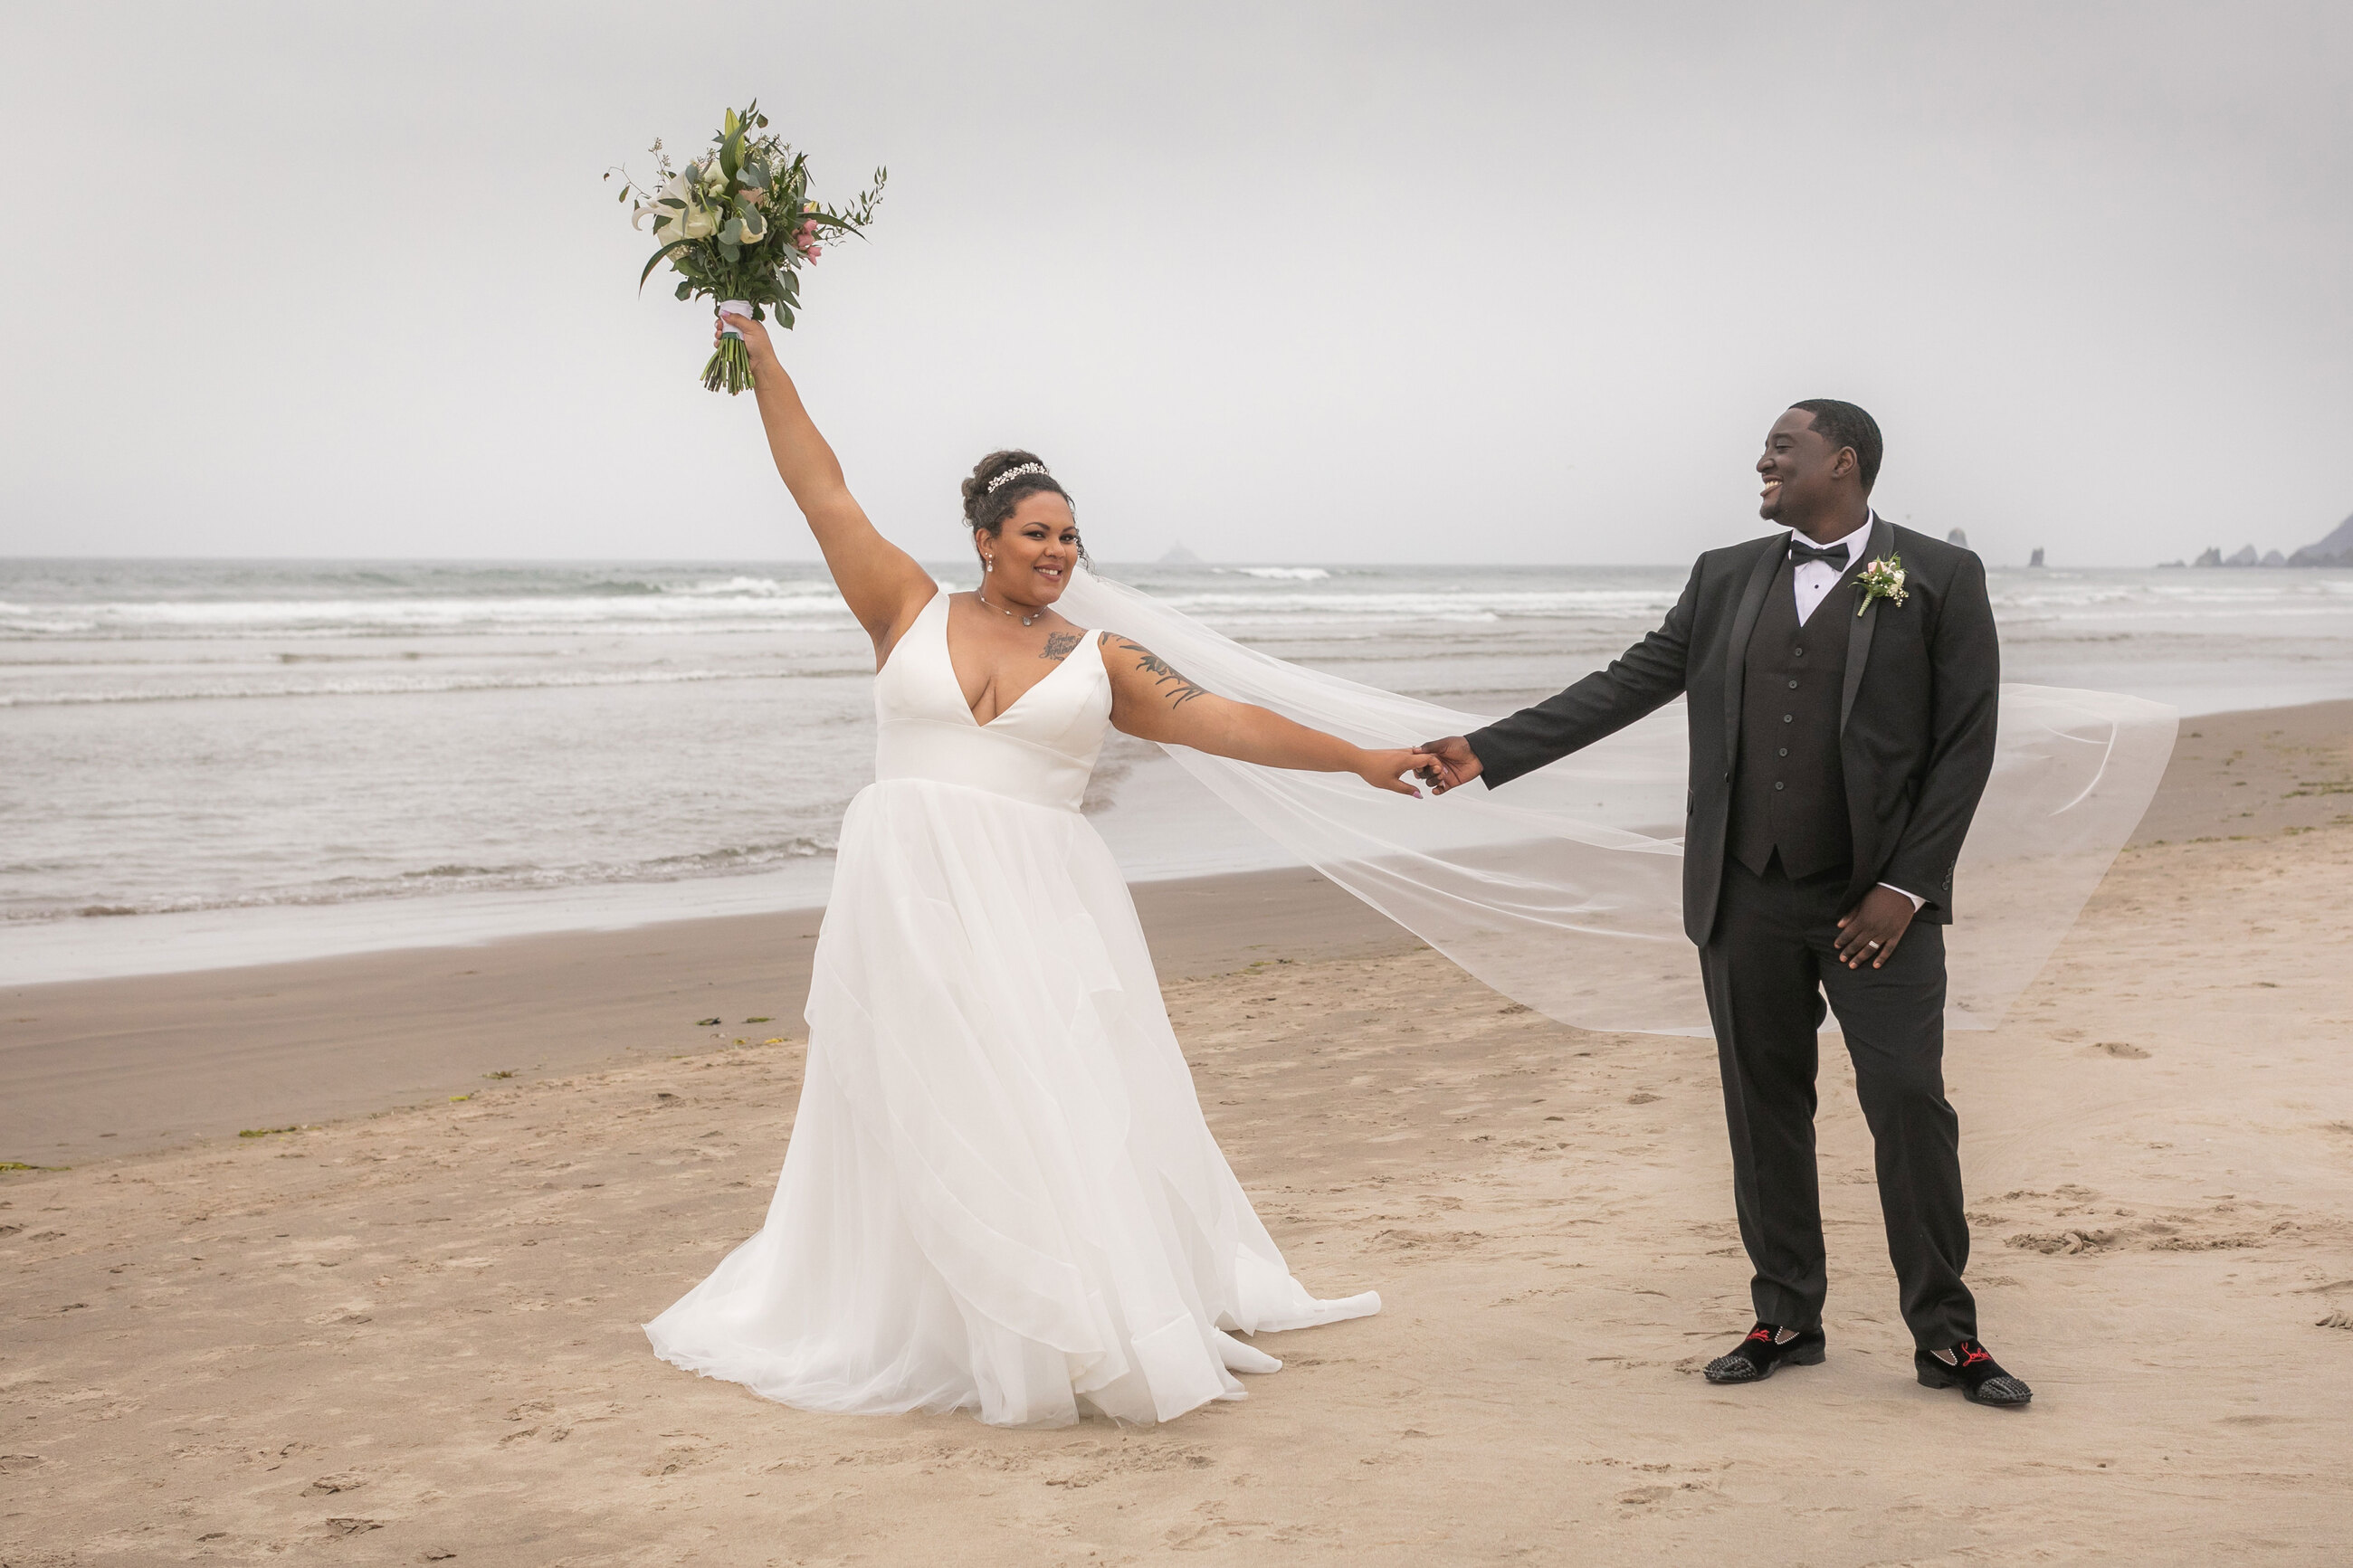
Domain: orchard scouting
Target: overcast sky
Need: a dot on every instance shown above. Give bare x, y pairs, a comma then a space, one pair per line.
1351, 282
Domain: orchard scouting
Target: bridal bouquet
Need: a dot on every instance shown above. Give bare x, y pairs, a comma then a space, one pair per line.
737, 225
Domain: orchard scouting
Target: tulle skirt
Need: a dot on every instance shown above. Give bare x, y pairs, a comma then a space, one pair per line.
1000, 1193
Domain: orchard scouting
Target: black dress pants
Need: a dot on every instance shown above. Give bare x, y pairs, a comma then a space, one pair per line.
1767, 965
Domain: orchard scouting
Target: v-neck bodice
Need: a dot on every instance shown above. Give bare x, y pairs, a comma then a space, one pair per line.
1041, 749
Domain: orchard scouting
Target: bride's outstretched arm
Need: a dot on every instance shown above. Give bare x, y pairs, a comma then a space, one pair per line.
881, 583
1152, 701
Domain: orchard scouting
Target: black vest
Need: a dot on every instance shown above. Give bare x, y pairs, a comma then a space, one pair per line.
1789, 789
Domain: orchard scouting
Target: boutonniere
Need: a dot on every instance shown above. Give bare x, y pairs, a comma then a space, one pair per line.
1882, 579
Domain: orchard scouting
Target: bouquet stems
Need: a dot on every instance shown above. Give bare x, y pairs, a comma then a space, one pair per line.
729, 369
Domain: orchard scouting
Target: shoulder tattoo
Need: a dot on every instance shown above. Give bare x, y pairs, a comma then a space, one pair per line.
1165, 677
1059, 645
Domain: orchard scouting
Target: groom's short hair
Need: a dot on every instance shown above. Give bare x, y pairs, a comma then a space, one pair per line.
1844, 425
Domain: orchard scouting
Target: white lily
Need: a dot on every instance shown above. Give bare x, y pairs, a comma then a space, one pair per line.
680, 188
692, 220
696, 222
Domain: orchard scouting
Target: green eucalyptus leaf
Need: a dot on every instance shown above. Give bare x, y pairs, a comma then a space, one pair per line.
655, 260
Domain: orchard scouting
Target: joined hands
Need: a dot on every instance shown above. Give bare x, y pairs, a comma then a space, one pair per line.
1447, 763
1386, 770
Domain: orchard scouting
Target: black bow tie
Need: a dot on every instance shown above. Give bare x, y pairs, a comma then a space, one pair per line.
1801, 553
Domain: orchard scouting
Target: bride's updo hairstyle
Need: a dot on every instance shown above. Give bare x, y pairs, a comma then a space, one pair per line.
985, 509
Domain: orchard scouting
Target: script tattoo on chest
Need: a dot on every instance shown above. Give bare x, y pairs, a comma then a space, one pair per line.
1059, 645
1173, 685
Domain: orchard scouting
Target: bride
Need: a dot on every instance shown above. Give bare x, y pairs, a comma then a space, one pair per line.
1000, 1193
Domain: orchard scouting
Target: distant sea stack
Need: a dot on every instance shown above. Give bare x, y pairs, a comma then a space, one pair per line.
1957, 536
2244, 556
2336, 550
1179, 556
2036, 559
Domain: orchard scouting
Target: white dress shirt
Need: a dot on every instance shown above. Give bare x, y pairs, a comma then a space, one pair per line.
1813, 581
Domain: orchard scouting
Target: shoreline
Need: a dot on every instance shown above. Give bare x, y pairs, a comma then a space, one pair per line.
1159, 822
123, 1065
131, 1065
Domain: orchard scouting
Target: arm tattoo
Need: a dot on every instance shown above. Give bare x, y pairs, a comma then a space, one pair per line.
1181, 690
1059, 643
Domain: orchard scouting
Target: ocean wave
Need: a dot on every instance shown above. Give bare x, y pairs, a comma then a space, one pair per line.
398, 687
763, 588
739, 602
697, 608
1424, 604
435, 882
525, 602
2234, 591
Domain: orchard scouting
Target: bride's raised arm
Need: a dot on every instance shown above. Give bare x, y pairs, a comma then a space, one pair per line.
881, 582
1151, 700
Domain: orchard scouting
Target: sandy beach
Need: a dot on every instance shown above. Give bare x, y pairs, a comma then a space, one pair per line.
492, 1163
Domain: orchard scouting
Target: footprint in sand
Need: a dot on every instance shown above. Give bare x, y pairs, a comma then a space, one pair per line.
2072, 1243
2120, 1049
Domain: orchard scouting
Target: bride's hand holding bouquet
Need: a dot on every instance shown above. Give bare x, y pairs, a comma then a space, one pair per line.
733, 325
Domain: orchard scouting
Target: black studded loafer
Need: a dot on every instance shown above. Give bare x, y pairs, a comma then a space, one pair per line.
1974, 1372
1764, 1353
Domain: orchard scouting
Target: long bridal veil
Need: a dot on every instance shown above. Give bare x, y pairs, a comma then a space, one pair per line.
1565, 890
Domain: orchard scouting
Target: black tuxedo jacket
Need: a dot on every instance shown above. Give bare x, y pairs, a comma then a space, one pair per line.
1915, 720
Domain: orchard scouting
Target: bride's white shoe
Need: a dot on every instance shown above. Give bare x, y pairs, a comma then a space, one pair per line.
1240, 1357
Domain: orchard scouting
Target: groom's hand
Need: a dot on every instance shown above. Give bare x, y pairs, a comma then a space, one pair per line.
1872, 930
1454, 763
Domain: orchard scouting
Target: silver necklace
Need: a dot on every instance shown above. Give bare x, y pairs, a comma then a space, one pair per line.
1008, 615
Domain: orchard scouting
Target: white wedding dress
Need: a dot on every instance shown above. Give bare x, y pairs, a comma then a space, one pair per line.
1000, 1193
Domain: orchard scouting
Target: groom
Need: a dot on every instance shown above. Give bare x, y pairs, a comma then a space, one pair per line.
1841, 730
